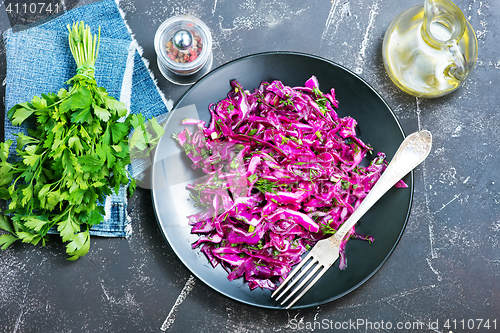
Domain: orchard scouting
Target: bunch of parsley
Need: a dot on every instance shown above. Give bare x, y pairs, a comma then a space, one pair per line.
74, 156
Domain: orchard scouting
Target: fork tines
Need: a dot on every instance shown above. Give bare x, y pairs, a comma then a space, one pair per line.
314, 269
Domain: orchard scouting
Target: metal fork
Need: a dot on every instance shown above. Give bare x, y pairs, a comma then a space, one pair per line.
412, 151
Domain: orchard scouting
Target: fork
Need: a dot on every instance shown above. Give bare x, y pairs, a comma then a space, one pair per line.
412, 151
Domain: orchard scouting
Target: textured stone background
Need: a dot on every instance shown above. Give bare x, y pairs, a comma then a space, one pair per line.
446, 266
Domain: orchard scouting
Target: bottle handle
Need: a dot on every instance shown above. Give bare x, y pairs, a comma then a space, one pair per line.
459, 68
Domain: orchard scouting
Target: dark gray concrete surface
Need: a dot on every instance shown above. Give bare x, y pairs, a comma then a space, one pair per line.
445, 269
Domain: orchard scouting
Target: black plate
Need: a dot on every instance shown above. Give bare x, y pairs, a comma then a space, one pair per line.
377, 126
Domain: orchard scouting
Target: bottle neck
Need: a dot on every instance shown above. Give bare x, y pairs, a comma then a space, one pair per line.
443, 23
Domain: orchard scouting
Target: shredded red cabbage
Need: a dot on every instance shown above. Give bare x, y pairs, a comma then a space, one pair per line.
282, 172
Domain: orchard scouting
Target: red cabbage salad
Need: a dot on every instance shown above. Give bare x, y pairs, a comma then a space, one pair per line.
282, 171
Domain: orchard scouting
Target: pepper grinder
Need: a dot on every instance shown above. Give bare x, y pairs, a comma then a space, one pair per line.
183, 46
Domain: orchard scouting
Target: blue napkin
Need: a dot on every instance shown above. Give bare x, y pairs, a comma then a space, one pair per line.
39, 61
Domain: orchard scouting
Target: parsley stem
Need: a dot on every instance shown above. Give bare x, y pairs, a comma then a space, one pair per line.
84, 47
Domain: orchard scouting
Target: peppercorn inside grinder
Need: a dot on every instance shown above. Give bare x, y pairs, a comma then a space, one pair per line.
183, 45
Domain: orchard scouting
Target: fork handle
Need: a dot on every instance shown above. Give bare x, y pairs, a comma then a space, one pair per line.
412, 151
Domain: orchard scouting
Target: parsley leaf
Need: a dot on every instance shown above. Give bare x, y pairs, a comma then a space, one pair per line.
75, 156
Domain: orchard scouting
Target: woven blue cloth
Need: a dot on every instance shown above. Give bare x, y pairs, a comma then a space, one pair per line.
39, 61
